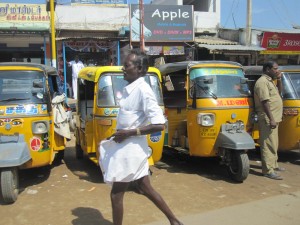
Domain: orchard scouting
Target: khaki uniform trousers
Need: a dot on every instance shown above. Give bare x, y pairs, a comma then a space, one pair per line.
268, 140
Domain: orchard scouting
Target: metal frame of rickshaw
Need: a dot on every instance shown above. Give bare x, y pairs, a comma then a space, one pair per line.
97, 122
227, 138
21, 130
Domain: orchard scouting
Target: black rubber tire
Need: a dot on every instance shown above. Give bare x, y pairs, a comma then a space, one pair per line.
79, 152
239, 166
59, 156
9, 184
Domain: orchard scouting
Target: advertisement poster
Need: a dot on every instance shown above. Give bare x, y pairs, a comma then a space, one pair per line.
26, 16
163, 23
281, 43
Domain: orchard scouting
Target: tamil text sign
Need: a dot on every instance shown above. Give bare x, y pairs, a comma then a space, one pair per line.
24, 15
281, 43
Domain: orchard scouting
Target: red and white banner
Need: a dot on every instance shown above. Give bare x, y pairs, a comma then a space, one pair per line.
281, 43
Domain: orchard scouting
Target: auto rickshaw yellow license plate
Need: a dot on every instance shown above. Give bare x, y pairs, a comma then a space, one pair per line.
208, 132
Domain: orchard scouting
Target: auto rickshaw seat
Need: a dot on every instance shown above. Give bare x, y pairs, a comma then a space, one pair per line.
175, 99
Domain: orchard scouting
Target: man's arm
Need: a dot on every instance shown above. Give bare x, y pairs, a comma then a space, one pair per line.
266, 107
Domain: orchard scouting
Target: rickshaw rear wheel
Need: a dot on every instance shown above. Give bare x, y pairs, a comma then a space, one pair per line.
10, 184
59, 156
238, 168
79, 152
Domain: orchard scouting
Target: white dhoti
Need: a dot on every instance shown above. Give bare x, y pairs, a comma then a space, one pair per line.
124, 162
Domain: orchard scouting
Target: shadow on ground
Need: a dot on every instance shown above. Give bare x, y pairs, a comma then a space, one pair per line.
210, 168
88, 216
84, 168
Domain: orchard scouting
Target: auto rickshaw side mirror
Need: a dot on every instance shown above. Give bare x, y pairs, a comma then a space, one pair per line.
208, 80
37, 90
244, 80
37, 83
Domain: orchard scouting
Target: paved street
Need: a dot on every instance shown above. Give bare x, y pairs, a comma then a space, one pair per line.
198, 190
277, 210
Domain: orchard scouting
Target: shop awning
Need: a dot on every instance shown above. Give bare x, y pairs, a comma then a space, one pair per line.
89, 35
91, 18
208, 40
231, 47
218, 44
85, 38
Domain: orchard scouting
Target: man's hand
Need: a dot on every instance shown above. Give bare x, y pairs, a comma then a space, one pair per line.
273, 124
121, 135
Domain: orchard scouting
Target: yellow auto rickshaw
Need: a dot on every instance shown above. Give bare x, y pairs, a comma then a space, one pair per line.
99, 91
289, 128
207, 105
28, 136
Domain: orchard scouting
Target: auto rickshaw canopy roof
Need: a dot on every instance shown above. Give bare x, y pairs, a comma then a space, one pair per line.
49, 70
92, 73
187, 65
258, 70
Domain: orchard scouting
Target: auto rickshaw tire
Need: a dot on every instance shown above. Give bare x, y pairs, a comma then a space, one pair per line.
239, 166
60, 155
79, 152
9, 184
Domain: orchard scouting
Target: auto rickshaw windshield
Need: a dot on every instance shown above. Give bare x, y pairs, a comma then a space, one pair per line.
291, 85
110, 89
220, 82
25, 87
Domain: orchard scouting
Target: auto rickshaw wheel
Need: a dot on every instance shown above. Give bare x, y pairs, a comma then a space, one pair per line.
238, 167
9, 184
59, 156
79, 152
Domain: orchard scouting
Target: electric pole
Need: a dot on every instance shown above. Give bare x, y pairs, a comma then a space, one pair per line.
53, 44
142, 38
249, 22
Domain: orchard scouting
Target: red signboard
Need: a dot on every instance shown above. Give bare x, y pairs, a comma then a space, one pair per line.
281, 43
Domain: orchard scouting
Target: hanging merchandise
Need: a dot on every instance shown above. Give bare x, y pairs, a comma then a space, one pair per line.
90, 45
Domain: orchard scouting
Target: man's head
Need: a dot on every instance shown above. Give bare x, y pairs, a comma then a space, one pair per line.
136, 13
136, 65
271, 69
76, 58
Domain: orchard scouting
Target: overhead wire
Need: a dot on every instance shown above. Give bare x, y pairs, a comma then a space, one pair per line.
287, 13
278, 14
230, 13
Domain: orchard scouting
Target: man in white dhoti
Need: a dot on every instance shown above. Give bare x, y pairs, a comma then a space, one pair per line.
76, 65
138, 116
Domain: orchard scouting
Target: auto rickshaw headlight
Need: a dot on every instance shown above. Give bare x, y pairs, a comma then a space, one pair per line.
206, 119
40, 127
150, 152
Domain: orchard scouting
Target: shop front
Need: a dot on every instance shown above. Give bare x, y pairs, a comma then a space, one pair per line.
24, 33
227, 47
92, 35
91, 51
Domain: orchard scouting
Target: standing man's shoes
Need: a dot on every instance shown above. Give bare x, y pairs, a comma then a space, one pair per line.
280, 169
273, 176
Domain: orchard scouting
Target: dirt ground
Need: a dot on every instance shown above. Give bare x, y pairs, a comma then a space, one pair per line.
73, 192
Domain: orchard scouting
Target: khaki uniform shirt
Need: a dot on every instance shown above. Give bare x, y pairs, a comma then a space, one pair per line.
265, 89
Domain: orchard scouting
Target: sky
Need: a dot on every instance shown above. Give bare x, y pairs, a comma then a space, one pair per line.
268, 14
273, 14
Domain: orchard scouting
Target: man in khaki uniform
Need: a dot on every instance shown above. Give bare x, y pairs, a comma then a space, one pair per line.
268, 105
